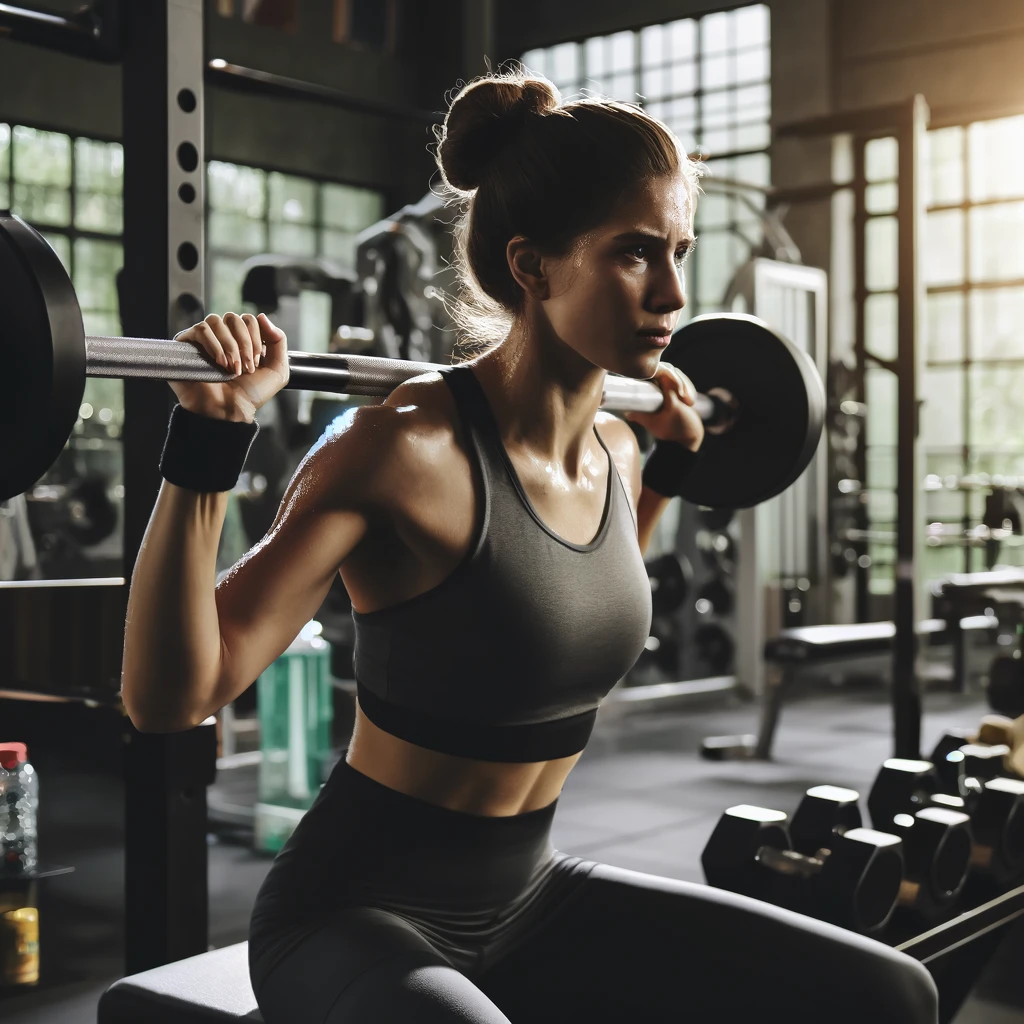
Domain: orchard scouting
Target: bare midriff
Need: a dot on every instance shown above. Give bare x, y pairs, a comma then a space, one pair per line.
489, 788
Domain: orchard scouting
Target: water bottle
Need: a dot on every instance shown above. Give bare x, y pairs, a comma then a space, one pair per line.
19, 840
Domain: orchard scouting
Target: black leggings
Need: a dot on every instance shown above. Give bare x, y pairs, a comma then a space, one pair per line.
385, 908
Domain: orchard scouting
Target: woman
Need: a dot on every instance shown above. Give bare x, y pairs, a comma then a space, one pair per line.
489, 523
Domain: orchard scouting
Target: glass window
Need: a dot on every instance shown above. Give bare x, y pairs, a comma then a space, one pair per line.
5, 161
880, 159
42, 176
995, 420
944, 180
996, 151
880, 388
944, 327
882, 197
881, 239
99, 175
996, 250
943, 255
997, 324
880, 313
942, 389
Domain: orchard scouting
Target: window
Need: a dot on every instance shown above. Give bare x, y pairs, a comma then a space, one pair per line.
708, 80
252, 211
70, 190
973, 360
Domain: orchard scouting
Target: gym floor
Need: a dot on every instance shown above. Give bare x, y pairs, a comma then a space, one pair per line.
640, 798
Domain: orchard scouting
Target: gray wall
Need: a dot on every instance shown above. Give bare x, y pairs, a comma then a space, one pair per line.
50, 90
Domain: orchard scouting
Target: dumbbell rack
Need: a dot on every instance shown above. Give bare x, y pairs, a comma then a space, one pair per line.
958, 950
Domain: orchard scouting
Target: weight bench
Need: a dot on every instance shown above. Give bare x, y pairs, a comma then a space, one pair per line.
820, 645
211, 987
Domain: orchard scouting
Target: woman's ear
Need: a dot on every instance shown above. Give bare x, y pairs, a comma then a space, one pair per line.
528, 267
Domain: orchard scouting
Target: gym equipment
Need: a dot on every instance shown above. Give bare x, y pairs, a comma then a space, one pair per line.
854, 882
670, 576
995, 808
1005, 689
936, 843
797, 647
767, 434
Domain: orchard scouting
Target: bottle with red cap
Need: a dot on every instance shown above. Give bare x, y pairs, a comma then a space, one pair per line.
19, 804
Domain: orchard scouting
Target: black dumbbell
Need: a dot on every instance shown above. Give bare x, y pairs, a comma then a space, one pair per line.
854, 883
937, 840
936, 843
948, 769
995, 807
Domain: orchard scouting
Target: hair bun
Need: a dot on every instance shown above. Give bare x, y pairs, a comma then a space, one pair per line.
484, 118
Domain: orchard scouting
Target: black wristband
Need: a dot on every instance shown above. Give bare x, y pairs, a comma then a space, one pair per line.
205, 454
667, 467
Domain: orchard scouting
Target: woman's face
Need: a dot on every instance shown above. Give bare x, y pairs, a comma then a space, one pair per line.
616, 297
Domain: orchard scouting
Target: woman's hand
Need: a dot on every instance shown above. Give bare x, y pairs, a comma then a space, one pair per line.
253, 348
676, 420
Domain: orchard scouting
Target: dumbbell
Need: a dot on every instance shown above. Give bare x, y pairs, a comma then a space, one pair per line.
936, 843
854, 882
995, 808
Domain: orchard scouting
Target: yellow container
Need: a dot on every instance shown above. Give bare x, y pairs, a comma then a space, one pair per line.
19, 947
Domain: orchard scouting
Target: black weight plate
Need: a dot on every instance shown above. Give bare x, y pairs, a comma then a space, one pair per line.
670, 576
781, 408
42, 356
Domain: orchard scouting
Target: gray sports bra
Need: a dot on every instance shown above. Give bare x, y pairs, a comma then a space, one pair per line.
508, 658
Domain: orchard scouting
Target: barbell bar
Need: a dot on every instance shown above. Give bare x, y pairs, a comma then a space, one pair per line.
760, 396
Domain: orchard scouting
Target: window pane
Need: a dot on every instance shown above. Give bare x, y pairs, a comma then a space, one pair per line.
96, 266
534, 60
944, 182
996, 250
880, 391
944, 327
942, 415
224, 285
755, 168
621, 51
997, 324
996, 423
717, 257
717, 109
753, 103
752, 136
99, 174
880, 159
715, 72
751, 25
42, 205
236, 232
654, 83
880, 236
944, 247
623, 87
880, 325
351, 209
684, 78
293, 239
565, 62
594, 56
292, 199
881, 198
234, 188
61, 245
752, 66
339, 245
5, 151
42, 158
652, 44
996, 151
713, 211
682, 39
714, 33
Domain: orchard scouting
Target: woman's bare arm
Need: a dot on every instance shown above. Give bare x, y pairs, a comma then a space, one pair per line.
191, 647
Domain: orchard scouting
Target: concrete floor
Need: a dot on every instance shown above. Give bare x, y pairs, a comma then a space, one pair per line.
640, 798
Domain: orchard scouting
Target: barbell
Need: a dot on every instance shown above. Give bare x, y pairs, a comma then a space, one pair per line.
760, 397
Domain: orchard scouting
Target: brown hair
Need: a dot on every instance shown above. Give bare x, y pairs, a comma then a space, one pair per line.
518, 161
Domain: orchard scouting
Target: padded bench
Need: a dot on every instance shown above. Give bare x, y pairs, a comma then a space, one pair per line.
802, 645
210, 987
